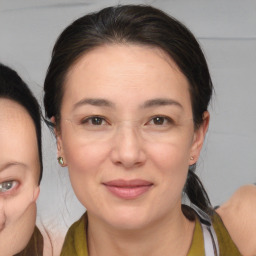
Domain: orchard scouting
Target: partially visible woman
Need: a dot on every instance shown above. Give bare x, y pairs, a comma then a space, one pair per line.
239, 216
127, 92
20, 167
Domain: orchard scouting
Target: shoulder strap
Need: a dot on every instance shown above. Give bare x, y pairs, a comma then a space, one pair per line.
211, 245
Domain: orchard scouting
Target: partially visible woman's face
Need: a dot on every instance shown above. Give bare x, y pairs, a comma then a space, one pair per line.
127, 134
19, 173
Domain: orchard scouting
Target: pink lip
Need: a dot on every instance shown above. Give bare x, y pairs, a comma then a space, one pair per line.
128, 189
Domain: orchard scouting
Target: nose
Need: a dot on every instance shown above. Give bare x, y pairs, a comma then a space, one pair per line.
2, 215
127, 148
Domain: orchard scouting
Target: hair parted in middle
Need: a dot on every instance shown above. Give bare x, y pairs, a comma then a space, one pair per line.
141, 25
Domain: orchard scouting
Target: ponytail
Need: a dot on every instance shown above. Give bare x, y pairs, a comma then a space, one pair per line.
197, 195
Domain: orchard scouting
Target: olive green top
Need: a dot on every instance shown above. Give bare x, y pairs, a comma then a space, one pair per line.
75, 243
35, 245
226, 245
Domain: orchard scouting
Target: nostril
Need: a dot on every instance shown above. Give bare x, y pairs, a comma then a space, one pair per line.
2, 225
2, 219
129, 164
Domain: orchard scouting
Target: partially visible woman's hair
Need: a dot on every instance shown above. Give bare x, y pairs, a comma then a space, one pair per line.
141, 25
14, 88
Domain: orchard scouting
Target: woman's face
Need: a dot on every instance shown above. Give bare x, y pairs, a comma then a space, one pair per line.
127, 134
19, 172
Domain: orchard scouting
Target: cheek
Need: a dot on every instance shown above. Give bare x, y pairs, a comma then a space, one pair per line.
85, 162
85, 165
84, 158
20, 216
171, 162
15, 207
17, 231
170, 155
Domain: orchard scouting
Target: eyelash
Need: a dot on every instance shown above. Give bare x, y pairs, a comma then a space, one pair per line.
3, 190
166, 120
89, 120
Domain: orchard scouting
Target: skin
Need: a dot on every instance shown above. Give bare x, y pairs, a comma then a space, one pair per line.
128, 144
238, 215
19, 164
53, 241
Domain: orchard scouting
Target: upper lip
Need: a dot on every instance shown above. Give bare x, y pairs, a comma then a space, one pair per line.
128, 183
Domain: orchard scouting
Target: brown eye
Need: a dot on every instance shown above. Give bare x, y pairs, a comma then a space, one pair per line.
94, 120
158, 120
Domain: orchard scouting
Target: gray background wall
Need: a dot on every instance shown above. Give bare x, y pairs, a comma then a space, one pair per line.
227, 33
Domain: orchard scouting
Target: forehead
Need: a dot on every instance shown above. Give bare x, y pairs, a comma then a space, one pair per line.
12, 113
17, 134
121, 68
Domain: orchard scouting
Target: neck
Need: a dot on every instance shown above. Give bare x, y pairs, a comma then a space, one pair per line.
168, 236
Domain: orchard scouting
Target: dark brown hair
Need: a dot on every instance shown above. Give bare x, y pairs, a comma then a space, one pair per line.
133, 24
14, 88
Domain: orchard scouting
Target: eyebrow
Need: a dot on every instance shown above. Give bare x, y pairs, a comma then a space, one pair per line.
106, 103
10, 164
161, 102
94, 102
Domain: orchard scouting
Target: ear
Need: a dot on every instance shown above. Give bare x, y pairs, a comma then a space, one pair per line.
57, 132
36, 193
198, 139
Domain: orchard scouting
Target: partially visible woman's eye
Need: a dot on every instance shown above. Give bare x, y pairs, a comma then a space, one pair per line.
7, 186
160, 120
94, 120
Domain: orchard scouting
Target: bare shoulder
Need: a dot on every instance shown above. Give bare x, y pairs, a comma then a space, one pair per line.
245, 196
239, 217
53, 240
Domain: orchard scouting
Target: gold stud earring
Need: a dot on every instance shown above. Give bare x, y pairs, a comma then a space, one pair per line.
191, 158
60, 161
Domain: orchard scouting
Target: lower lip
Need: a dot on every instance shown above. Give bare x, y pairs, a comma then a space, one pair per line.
128, 192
